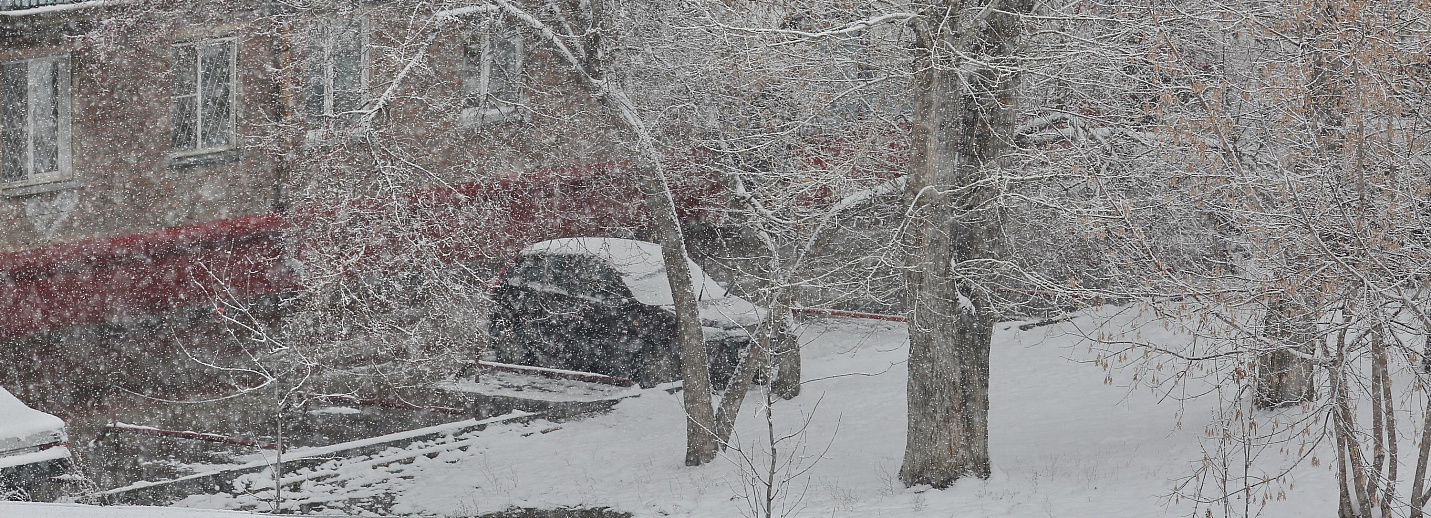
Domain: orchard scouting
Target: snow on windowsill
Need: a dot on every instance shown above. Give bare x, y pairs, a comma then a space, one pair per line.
204, 157
489, 116
13, 190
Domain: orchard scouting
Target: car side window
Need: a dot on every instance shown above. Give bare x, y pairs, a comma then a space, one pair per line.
598, 280
562, 272
528, 269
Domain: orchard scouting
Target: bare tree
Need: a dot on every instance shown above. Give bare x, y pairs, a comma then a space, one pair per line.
965, 81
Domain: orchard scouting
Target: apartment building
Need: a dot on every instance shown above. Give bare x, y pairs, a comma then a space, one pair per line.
157, 156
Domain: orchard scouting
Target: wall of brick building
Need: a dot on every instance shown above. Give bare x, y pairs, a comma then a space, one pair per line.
125, 177
126, 180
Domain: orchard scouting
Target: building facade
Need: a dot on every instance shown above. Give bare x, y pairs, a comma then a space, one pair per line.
159, 160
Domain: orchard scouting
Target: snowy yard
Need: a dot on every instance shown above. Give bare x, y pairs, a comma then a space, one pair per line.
1064, 443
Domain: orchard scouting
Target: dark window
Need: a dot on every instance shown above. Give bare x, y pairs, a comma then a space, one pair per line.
492, 77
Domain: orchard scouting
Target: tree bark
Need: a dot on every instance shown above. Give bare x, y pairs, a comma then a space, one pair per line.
963, 118
696, 384
784, 348
1283, 378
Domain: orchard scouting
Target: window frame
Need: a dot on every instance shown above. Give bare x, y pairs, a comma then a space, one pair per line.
327, 75
64, 160
198, 149
478, 87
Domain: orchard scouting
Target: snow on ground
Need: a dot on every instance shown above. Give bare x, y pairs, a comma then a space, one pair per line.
38, 510
506, 384
1064, 440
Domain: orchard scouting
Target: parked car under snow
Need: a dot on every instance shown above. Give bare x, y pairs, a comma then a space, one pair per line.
604, 305
34, 451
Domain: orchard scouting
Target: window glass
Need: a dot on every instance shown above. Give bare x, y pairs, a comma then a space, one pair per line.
563, 272
336, 68
217, 95
34, 119
203, 104
527, 269
184, 114
347, 60
492, 77
45, 116
14, 126
505, 62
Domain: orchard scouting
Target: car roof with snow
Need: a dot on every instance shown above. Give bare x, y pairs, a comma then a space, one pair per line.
638, 262
22, 426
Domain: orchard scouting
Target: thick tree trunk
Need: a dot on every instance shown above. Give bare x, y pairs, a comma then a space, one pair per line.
784, 348
962, 120
1283, 378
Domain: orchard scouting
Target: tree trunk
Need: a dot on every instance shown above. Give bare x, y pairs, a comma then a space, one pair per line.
784, 348
1283, 378
696, 387
962, 119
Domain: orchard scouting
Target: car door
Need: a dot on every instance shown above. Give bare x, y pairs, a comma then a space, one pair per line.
604, 322
518, 318
562, 327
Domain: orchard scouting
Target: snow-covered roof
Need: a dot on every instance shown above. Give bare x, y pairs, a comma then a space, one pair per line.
639, 263
22, 426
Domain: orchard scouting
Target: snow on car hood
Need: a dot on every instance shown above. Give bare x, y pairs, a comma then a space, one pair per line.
23, 427
643, 270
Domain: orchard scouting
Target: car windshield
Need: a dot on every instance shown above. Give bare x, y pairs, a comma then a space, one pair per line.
527, 269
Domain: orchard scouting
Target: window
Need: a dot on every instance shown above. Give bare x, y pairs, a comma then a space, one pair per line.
492, 75
337, 68
35, 121
203, 97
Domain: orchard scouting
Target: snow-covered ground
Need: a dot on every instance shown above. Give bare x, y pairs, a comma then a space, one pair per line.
37, 510
1066, 440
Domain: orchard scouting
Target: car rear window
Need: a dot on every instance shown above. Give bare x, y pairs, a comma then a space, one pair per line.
571, 274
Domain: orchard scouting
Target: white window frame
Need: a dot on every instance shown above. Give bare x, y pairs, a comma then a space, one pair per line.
503, 110
198, 92
64, 162
326, 61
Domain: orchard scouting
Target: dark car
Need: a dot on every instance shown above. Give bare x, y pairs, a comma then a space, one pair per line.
603, 305
34, 451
